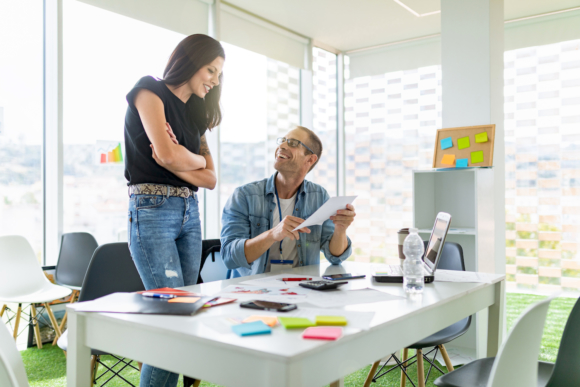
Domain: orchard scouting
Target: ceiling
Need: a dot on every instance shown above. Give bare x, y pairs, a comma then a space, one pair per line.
351, 24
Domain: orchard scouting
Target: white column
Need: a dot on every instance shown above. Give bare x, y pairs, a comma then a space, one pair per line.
306, 90
212, 211
472, 69
340, 135
472, 72
52, 154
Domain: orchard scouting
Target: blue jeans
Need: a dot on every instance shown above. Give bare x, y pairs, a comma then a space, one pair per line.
165, 243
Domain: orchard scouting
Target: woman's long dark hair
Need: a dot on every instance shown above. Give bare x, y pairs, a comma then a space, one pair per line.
190, 55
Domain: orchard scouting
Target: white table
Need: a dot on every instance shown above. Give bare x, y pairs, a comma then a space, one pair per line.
188, 346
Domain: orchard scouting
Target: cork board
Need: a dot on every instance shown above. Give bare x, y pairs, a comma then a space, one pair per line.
476, 152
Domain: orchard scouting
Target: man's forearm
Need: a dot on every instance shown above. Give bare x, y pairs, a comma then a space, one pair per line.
255, 247
338, 243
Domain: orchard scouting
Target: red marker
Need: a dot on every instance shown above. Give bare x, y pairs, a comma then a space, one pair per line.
295, 279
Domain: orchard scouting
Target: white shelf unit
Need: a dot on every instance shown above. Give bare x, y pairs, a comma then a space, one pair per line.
467, 195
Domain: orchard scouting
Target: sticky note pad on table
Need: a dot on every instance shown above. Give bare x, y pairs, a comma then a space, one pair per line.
481, 137
461, 163
268, 320
477, 157
463, 143
322, 333
330, 320
295, 322
448, 159
253, 328
446, 143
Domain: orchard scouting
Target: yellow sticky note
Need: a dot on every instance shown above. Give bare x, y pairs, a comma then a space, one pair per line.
481, 137
330, 320
463, 143
184, 300
477, 157
268, 320
448, 160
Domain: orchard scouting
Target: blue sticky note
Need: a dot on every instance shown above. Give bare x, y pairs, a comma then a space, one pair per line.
253, 328
461, 163
446, 143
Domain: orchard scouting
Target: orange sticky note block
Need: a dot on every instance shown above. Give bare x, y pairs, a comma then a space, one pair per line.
481, 137
184, 300
448, 160
270, 321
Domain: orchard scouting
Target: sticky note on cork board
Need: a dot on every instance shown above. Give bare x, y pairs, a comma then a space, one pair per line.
476, 157
481, 137
463, 143
446, 143
448, 159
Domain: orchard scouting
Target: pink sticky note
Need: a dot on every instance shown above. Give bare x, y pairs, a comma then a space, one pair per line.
322, 333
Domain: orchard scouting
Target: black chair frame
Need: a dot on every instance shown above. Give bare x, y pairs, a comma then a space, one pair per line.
405, 365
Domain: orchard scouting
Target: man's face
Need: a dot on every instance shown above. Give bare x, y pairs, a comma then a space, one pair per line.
290, 159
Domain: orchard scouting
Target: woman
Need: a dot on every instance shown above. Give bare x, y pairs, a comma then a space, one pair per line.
167, 160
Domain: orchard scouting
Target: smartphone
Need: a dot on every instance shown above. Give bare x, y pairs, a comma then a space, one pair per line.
344, 276
268, 305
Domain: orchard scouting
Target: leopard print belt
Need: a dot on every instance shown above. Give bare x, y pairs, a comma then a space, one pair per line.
159, 189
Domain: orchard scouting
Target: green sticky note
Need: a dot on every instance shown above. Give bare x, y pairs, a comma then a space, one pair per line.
330, 320
463, 143
477, 157
295, 322
481, 137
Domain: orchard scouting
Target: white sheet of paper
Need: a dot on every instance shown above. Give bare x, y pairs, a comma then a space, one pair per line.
327, 210
461, 276
338, 298
274, 282
275, 294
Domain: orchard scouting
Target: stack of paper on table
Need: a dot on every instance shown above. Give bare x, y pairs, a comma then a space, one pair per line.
462, 276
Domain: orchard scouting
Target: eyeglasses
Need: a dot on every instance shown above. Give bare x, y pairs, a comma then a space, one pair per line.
292, 142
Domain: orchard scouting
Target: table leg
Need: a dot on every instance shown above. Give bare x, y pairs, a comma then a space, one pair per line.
78, 372
495, 324
404, 364
35, 326
420, 369
337, 383
17, 322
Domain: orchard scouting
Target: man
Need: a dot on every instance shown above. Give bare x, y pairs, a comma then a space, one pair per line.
254, 240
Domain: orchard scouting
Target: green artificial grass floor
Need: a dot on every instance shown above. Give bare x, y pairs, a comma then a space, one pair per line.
47, 367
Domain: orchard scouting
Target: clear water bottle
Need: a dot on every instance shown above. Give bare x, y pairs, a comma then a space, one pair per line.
413, 275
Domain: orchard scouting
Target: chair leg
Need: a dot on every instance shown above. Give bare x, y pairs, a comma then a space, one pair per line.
446, 358
93, 368
420, 370
404, 364
197, 383
4, 307
52, 320
35, 327
17, 322
371, 374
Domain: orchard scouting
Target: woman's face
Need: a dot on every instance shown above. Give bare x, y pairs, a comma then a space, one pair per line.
206, 77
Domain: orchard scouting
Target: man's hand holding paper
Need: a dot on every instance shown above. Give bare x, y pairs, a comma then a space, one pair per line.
339, 209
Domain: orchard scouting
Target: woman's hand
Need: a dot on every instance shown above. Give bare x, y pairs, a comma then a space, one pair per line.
171, 134
173, 139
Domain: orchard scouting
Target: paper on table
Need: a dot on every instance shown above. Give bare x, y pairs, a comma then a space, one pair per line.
274, 282
243, 292
338, 298
462, 276
327, 210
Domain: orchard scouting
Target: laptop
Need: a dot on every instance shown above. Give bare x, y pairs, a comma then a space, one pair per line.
394, 273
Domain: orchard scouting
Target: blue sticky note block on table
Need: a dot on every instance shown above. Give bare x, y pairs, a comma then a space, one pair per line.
446, 143
461, 163
253, 328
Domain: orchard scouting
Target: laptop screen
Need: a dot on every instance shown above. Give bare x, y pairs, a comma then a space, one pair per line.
437, 240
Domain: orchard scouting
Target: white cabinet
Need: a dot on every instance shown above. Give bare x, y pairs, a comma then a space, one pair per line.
467, 195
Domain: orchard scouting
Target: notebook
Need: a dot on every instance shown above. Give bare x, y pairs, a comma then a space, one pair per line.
252, 328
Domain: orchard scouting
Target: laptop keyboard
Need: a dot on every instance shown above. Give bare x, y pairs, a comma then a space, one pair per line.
397, 270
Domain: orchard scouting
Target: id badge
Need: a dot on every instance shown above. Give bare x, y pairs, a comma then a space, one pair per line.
277, 265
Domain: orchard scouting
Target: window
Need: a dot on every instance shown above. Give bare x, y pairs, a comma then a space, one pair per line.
101, 65
542, 134
324, 115
21, 120
261, 102
390, 125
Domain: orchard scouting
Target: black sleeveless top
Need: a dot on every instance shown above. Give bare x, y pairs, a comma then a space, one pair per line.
140, 167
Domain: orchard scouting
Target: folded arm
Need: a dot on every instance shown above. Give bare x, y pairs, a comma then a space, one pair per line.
171, 155
203, 178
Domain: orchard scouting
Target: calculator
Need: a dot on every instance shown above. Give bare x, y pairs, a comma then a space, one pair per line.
321, 285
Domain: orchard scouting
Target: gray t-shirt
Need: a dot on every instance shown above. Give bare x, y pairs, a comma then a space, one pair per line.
289, 249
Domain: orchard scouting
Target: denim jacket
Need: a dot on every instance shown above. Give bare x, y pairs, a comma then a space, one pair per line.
249, 212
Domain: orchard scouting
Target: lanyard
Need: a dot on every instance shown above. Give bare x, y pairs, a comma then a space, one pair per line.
280, 211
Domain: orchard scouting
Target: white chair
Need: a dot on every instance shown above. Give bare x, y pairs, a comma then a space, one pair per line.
12, 373
22, 281
516, 364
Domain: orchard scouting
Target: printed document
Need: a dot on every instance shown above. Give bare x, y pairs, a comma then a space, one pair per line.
327, 210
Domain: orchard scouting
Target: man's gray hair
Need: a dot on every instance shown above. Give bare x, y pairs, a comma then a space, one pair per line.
314, 143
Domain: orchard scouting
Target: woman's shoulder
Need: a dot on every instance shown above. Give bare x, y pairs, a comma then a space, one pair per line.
150, 83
